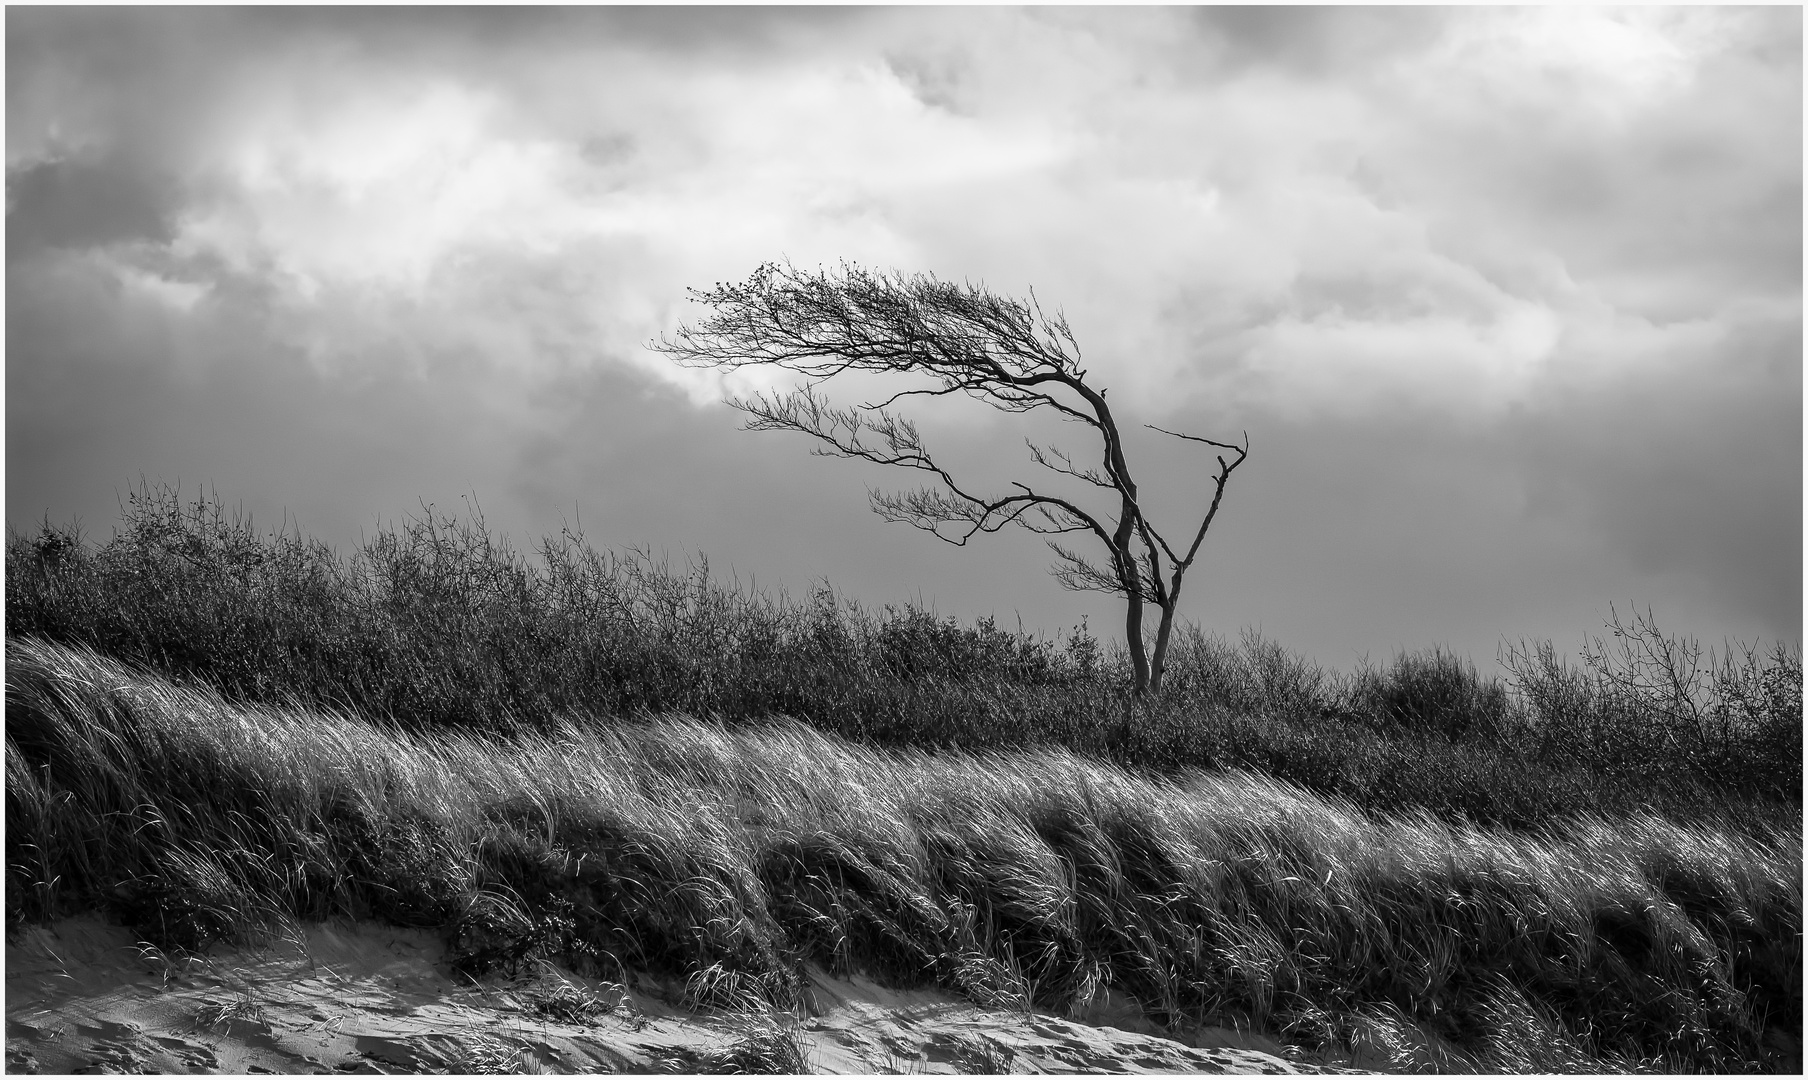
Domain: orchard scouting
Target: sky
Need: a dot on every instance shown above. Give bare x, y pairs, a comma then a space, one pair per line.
1508, 301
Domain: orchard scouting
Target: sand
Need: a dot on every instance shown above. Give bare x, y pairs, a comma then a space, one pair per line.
85, 996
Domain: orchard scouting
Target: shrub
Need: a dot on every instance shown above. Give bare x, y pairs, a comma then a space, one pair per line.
1431, 692
1648, 704
439, 626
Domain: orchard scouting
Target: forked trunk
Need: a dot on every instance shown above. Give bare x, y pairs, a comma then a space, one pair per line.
1159, 662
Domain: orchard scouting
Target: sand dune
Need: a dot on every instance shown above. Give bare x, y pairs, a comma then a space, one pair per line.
86, 996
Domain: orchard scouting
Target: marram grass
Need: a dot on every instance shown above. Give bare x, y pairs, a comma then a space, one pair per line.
1035, 878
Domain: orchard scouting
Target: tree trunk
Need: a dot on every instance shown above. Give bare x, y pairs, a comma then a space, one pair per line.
1127, 579
1160, 661
1133, 635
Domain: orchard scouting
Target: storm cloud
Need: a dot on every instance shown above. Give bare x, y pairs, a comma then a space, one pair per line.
1509, 301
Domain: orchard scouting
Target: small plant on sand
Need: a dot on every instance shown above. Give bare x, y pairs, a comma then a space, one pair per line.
488, 1055
976, 1054
717, 988
759, 1046
221, 1015
566, 1003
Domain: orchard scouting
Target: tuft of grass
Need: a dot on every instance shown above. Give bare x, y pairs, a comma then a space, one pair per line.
487, 1055
221, 1015
762, 1047
726, 857
438, 626
567, 1003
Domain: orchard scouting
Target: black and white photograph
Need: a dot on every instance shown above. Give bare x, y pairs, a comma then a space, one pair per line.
923, 539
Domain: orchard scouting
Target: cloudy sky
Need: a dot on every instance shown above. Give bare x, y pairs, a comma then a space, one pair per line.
1508, 302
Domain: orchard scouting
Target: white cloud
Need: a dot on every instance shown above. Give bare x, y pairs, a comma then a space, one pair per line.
1427, 362
400, 188
1254, 230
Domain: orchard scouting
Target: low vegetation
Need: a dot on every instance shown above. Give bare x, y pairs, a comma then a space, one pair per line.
438, 626
729, 857
1590, 866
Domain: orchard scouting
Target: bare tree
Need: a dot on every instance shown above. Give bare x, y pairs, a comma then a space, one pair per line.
956, 339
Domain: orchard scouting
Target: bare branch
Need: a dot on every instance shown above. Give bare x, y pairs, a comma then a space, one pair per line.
1223, 478
1077, 574
1209, 442
843, 433
1042, 456
940, 391
953, 339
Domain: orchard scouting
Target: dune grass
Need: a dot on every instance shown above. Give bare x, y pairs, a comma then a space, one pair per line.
439, 626
728, 857
1592, 866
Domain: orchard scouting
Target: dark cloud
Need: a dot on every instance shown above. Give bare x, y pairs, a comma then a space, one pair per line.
674, 27
1314, 41
938, 79
75, 204
1345, 539
213, 400
106, 33
1688, 472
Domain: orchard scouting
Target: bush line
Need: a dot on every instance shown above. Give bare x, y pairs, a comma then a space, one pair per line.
437, 625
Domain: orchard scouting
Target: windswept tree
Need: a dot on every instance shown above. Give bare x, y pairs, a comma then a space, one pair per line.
955, 339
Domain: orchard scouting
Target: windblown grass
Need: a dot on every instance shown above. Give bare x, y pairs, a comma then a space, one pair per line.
440, 627
728, 857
